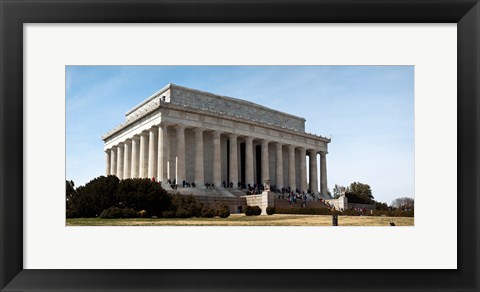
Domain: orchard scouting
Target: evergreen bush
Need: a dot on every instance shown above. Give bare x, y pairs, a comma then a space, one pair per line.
253, 211
207, 212
304, 211
111, 213
168, 214
270, 210
222, 210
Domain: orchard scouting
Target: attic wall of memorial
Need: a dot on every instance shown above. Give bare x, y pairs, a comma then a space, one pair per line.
234, 107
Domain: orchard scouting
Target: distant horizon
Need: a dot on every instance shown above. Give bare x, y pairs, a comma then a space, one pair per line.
367, 111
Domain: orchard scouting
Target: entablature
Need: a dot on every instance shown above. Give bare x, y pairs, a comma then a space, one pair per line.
174, 114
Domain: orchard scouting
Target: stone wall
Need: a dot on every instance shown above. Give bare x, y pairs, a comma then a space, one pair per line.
233, 107
232, 202
263, 201
340, 204
361, 206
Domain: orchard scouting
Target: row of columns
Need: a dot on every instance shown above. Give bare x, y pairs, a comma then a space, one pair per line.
135, 158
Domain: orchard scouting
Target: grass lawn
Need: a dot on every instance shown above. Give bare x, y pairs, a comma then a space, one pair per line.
242, 220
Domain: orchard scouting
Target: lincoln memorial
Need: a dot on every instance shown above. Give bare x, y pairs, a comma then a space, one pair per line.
187, 136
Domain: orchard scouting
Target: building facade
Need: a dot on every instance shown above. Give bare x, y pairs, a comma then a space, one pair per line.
180, 134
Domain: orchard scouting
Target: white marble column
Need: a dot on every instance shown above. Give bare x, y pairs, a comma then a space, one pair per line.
217, 166
120, 161
265, 162
107, 162
126, 160
143, 155
113, 161
162, 154
135, 156
291, 167
249, 161
303, 170
180, 155
279, 166
313, 171
199, 168
152, 151
233, 160
323, 173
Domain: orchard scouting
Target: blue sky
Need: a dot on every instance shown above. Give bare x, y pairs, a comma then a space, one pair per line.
366, 110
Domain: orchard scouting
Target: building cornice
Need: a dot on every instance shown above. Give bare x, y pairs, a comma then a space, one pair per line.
158, 105
156, 94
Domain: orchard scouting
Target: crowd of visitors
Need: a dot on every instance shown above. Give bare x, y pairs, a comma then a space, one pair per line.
283, 193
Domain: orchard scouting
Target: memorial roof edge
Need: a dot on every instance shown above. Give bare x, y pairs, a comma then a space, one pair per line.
165, 88
237, 100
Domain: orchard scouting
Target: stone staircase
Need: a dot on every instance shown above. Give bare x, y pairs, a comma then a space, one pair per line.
167, 187
216, 192
237, 192
225, 192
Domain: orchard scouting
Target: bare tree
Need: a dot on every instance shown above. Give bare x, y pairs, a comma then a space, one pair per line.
403, 203
337, 191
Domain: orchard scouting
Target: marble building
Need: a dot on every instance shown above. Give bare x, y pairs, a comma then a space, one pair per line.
182, 134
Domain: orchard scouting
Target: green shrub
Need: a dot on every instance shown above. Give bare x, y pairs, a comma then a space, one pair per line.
270, 210
72, 214
129, 213
253, 211
105, 192
222, 210
188, 205
115, 212
182, 213
143, 194
97, 195
402, 213
249, 211
168, 214
351, 212
207, 212
304, 211
111, 213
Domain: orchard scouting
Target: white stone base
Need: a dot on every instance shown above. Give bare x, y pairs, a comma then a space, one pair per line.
263, 201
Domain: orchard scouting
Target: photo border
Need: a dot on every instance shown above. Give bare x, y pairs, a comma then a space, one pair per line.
14, 14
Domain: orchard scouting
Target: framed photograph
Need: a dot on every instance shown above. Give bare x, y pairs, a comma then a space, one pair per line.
59, 117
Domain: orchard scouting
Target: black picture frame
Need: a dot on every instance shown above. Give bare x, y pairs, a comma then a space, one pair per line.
13, 14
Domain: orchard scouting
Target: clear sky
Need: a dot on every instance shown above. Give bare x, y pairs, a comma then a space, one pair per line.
366, 110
